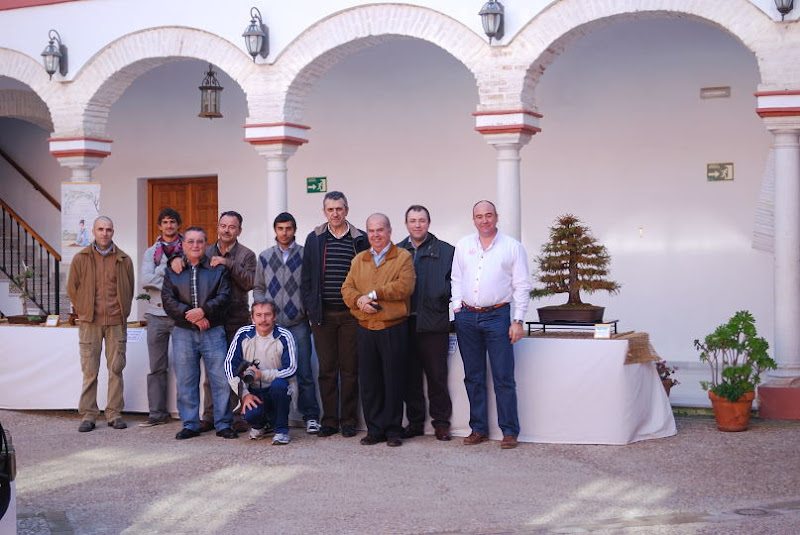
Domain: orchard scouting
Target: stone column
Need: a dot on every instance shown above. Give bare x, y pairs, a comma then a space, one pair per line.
508, 132
779, 396
276, 142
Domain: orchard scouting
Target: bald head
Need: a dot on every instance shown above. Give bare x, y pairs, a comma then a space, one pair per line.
379, 231
103, 232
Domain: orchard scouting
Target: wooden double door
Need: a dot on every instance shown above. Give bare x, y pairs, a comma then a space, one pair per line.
194, 198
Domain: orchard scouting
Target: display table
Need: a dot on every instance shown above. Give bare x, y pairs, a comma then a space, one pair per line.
40, 368
575, 391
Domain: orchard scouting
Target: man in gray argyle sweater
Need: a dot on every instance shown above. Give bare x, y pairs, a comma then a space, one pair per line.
278, 278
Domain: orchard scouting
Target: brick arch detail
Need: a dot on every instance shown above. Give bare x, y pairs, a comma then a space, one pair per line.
307, 58
30, 72
539, 42
102, 80
27, 106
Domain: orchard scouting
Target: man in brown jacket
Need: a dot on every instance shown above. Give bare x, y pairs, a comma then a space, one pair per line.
378, 292
100, 287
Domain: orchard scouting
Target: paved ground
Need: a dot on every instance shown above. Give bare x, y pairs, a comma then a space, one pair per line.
144, 481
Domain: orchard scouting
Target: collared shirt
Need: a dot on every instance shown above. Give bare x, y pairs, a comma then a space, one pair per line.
498, 274
378, 257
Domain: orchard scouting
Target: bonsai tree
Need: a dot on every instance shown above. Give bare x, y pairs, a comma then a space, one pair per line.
571, 262
736, 355
21, 281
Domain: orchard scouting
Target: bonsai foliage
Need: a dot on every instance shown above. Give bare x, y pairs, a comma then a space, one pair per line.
571, 262
736, 355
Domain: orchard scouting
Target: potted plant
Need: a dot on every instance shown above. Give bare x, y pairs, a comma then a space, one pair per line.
20, 280
665, 372
737, 356
572, 262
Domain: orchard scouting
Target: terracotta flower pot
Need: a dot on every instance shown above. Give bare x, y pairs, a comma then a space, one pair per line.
732, 415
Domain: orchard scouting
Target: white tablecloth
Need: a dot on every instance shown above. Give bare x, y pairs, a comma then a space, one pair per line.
575, 391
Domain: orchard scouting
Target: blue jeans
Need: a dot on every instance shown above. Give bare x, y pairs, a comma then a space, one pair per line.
479, 332
188, 346
274, 407
307, 402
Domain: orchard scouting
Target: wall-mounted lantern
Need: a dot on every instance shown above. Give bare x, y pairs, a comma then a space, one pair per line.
784, 7
492, 17
55, 55
256, 35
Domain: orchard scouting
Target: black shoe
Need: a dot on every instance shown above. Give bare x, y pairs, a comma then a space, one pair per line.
413, 430
327, 431
371, 440
394, 442
85, 426
349, 431
186, 433
206, 426
117, 423
227, 433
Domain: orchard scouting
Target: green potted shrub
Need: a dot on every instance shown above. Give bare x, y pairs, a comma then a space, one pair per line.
572, 262
737, 356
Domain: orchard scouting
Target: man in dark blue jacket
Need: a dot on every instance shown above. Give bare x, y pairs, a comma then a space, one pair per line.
327, 254
196, 298
429, 326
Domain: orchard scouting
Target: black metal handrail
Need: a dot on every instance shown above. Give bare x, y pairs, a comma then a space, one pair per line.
21, 248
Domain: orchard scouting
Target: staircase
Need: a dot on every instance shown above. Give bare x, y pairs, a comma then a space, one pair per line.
21, 249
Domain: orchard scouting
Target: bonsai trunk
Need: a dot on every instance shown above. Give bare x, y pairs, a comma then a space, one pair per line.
574, 289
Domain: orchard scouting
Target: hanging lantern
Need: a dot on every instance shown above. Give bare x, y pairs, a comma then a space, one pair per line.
210, 93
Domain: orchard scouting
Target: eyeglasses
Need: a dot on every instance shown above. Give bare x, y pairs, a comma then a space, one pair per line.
193, 242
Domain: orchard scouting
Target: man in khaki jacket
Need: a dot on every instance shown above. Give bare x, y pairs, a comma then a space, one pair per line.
100, 287
378, 292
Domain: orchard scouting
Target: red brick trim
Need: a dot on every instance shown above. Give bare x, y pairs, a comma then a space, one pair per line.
289, 140
776, 93
262, 125
508, 129
778, 112
508, 112
80, 152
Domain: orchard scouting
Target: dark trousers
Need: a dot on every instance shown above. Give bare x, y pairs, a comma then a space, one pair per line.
335, 342
381, 370
427, 352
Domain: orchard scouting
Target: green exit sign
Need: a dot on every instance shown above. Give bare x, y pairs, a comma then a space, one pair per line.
316, 184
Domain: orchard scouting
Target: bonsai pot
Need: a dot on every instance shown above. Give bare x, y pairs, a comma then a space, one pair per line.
26, 320
560, 313
732, 415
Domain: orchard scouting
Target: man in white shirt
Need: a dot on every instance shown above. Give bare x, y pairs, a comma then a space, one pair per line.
490, 271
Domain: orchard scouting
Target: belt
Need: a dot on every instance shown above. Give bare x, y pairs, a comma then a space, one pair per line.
482, 309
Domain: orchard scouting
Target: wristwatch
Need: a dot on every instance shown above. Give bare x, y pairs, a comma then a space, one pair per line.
518, 321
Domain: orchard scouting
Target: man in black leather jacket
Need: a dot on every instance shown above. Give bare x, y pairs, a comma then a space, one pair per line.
429, 326
196, 298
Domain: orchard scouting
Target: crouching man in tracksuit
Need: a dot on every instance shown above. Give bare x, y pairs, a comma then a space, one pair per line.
265, 385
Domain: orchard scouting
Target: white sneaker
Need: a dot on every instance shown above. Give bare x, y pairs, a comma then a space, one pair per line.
258, 434
281, 439
312, 427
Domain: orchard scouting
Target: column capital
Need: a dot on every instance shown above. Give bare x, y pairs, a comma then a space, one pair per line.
80, 154
507, 126
780, 110
275, 134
